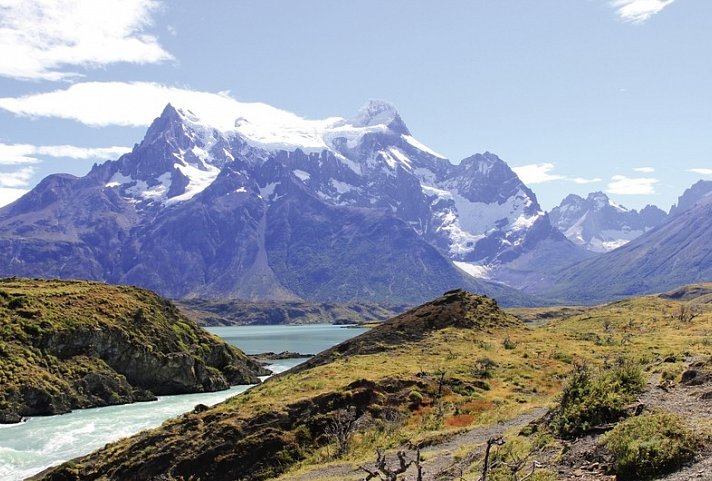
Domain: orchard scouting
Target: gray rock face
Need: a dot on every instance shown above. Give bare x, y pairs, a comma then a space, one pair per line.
599, 224
699, 192
369, 214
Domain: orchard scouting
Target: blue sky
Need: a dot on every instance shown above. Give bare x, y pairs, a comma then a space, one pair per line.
578, 95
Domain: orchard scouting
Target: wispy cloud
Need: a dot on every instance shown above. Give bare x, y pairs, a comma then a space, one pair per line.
638, 11
541, 173
48, 39
645, 170
622, 185
17, 178
134, 104
536, 173
581, 180
19, 154
701, 171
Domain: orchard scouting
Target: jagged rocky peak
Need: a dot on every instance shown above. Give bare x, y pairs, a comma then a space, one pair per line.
485, 178
380, 112
178, 158
698, 192
599, 224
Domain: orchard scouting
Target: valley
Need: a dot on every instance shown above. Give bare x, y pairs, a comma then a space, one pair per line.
454, 366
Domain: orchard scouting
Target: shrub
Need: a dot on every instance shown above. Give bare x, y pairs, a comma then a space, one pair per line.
650, 445
415, 398
484, 367
16, 302
591, 399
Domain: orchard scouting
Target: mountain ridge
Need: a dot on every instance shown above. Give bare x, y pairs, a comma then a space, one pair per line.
600, 225
194, 210
675, 252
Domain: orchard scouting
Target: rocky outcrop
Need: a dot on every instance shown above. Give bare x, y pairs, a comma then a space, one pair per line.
61, 351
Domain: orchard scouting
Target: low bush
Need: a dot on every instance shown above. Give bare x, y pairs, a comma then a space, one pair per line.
650, 445
594, 398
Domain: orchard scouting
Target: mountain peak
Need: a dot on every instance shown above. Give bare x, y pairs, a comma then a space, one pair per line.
598, 195
488, 165
572, 199
701, 190
599, 224
380, 112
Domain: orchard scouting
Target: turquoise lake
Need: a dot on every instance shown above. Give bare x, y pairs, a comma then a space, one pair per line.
28, 448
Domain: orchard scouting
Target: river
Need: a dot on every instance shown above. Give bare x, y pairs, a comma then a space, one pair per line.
30, 447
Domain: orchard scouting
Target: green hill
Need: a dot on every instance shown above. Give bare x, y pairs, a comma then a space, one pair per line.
72, 344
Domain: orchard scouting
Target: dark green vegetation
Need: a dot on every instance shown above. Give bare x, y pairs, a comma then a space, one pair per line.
455, 372
74, 344
591, 399
215, 312
650, 445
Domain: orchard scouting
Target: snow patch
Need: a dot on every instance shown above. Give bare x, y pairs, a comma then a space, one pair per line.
117, 180
302, 175
431, 191
412, 141
342, 187
475, 270
157, 192
267, 191
526, 222
198, 181
401, 157
466, 222
617, 206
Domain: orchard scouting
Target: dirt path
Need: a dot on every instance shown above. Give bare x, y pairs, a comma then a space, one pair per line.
442, 461
443, 464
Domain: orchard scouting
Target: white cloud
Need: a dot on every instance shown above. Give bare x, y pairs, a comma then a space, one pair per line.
19, 154
9, 195
536, 173
645, 170
40, 39
581, 180
638, 11
540, 173
622, 185
701, 171
18, 178
134, 104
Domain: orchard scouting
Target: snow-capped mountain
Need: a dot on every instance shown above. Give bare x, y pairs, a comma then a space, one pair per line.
674, 253
600, 225
250, 201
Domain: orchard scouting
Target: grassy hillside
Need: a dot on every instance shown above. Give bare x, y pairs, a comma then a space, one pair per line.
76, 344
447, 378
